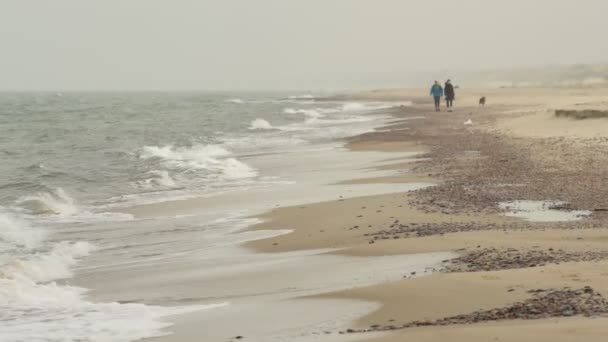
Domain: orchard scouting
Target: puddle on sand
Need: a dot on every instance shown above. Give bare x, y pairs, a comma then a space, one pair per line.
541, 211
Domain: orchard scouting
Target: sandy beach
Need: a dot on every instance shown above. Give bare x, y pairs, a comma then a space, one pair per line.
425, 229
516, 150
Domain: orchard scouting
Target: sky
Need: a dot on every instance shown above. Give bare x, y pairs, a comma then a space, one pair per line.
284, 44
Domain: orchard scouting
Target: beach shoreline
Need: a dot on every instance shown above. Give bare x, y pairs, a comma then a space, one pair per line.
217, 275
498, 259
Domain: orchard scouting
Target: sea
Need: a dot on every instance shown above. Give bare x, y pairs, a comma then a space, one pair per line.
73, 163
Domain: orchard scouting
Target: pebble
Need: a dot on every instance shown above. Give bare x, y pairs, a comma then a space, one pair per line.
543, 304
493, 259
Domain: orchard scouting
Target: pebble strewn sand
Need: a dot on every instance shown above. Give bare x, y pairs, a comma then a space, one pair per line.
509, 269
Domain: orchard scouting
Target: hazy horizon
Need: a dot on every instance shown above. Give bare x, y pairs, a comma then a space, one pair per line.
262, 45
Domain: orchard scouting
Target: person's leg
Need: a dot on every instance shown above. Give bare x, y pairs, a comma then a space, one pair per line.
437, 102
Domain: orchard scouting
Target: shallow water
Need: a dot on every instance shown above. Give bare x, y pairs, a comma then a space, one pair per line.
541, 211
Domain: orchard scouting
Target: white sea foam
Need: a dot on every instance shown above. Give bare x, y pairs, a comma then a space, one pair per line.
343, 120
66, 317
15, 232
260, 124
347, 107
159, 178
312, 113
256, 143
235, 101
59, 206
194, 153
301, 97
46, 266
34, 307
359, 107
214, 159
33, 311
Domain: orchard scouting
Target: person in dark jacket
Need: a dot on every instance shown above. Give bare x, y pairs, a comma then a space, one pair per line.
437, 93
450, 95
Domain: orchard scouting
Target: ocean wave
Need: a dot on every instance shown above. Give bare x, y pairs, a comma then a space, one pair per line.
57, 202
16, 232
44, 267
257, 143
60, 314
37, 308
213, 159
24, 186
362, 107
346, 113
346, 107
239, 101
260, 124
35, 166
312, 113
338, 121
58, 206
159, 178
195, 153
301, 97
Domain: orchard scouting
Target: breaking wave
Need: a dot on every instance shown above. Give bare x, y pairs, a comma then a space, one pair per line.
260, 124
301, 97
57, 202
235, 101
35, 307
311, 113
347, 107
213, 160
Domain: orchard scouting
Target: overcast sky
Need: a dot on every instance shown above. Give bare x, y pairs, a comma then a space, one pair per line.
275, 44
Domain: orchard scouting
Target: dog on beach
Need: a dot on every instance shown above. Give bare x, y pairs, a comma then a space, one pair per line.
482, 101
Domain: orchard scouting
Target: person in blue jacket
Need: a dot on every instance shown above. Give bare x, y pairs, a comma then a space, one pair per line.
437, 93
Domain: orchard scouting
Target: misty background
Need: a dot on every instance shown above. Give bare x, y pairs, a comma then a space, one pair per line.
285, 44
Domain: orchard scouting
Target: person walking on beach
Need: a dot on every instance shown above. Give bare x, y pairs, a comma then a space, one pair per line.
450, 95
437, 93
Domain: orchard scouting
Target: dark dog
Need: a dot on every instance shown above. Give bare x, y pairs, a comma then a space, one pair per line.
482, 101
